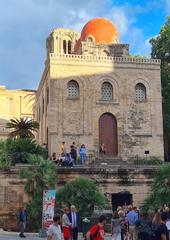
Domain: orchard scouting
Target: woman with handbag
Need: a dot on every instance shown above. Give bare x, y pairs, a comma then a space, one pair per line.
66, 224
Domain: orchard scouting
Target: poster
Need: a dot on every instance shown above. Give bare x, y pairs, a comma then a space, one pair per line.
48, 208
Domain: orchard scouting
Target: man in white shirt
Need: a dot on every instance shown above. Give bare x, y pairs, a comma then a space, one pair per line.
54, 231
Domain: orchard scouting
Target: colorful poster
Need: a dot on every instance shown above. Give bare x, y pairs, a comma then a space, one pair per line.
48, 207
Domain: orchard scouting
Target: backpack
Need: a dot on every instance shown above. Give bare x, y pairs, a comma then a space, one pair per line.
154, 235
93, 236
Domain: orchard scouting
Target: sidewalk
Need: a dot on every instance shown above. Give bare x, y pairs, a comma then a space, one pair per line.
15, 235
4, 235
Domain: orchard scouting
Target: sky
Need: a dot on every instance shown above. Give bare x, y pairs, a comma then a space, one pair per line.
25, 25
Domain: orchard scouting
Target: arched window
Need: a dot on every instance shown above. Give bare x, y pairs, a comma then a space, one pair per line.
105, 53
89, 39
64, 46
47, 95
107, 91
140, 92
73, 89
69, 47
47, 136
43, 105
39, 113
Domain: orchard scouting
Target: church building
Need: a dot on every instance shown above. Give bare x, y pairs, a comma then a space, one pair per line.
93, 92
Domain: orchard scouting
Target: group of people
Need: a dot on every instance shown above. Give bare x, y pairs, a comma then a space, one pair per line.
131, 224
127, 223
70, 158
69, 222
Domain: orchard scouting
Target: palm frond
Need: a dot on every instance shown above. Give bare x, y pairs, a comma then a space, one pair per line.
22, 128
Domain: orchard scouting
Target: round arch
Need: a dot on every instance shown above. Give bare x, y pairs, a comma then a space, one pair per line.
108, 133
140, 92
114, 81
107, 91
73, 88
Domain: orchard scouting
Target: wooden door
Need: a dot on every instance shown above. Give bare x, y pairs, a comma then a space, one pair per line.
108, 133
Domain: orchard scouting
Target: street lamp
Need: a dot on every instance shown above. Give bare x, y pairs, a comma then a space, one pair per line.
167, 54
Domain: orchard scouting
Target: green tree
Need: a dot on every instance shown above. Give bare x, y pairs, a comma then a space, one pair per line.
160, 190
5, 160
82, 192
40, 175
22, 128
161, 50
19, 149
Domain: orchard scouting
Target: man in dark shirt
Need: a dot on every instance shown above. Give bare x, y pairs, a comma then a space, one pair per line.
162, 231
73, 153
22, 222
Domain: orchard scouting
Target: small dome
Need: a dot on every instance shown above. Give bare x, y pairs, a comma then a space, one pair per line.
101, 31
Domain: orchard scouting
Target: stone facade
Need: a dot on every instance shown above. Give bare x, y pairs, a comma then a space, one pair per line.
14, 104
65, 117
110, 180
12, 197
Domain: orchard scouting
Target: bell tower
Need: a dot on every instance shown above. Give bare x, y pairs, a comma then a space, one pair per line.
61, 41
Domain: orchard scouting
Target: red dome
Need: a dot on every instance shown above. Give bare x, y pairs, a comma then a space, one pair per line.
101, 31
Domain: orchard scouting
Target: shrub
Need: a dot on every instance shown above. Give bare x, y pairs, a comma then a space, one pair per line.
160, 190
82, 192
5, 161
19, 149
149, 161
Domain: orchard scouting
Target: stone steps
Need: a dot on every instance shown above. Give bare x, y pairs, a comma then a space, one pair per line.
106, 162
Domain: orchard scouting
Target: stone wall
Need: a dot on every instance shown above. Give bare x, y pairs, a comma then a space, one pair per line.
139, 124
12, 197
109, 180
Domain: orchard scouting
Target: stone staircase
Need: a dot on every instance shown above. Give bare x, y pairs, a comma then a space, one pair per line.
108, 162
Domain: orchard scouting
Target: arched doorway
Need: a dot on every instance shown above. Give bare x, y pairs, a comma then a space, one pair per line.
108, 133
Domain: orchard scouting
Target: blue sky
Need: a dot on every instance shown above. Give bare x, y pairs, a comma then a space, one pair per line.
25, 24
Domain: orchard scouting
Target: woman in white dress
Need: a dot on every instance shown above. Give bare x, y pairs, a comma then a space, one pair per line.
116, 228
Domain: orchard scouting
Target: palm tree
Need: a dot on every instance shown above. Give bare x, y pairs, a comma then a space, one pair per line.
22, 128
160, 189
40, 174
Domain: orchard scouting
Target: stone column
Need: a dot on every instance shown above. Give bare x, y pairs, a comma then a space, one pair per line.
61, 46
66, 47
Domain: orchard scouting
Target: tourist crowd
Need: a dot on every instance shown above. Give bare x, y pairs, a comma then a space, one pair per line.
126, 224
70, 158
132, 224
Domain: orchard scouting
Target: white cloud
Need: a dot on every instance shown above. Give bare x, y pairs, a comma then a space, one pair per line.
121, 20
24, 28
167, 6
26, 24
125, 18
